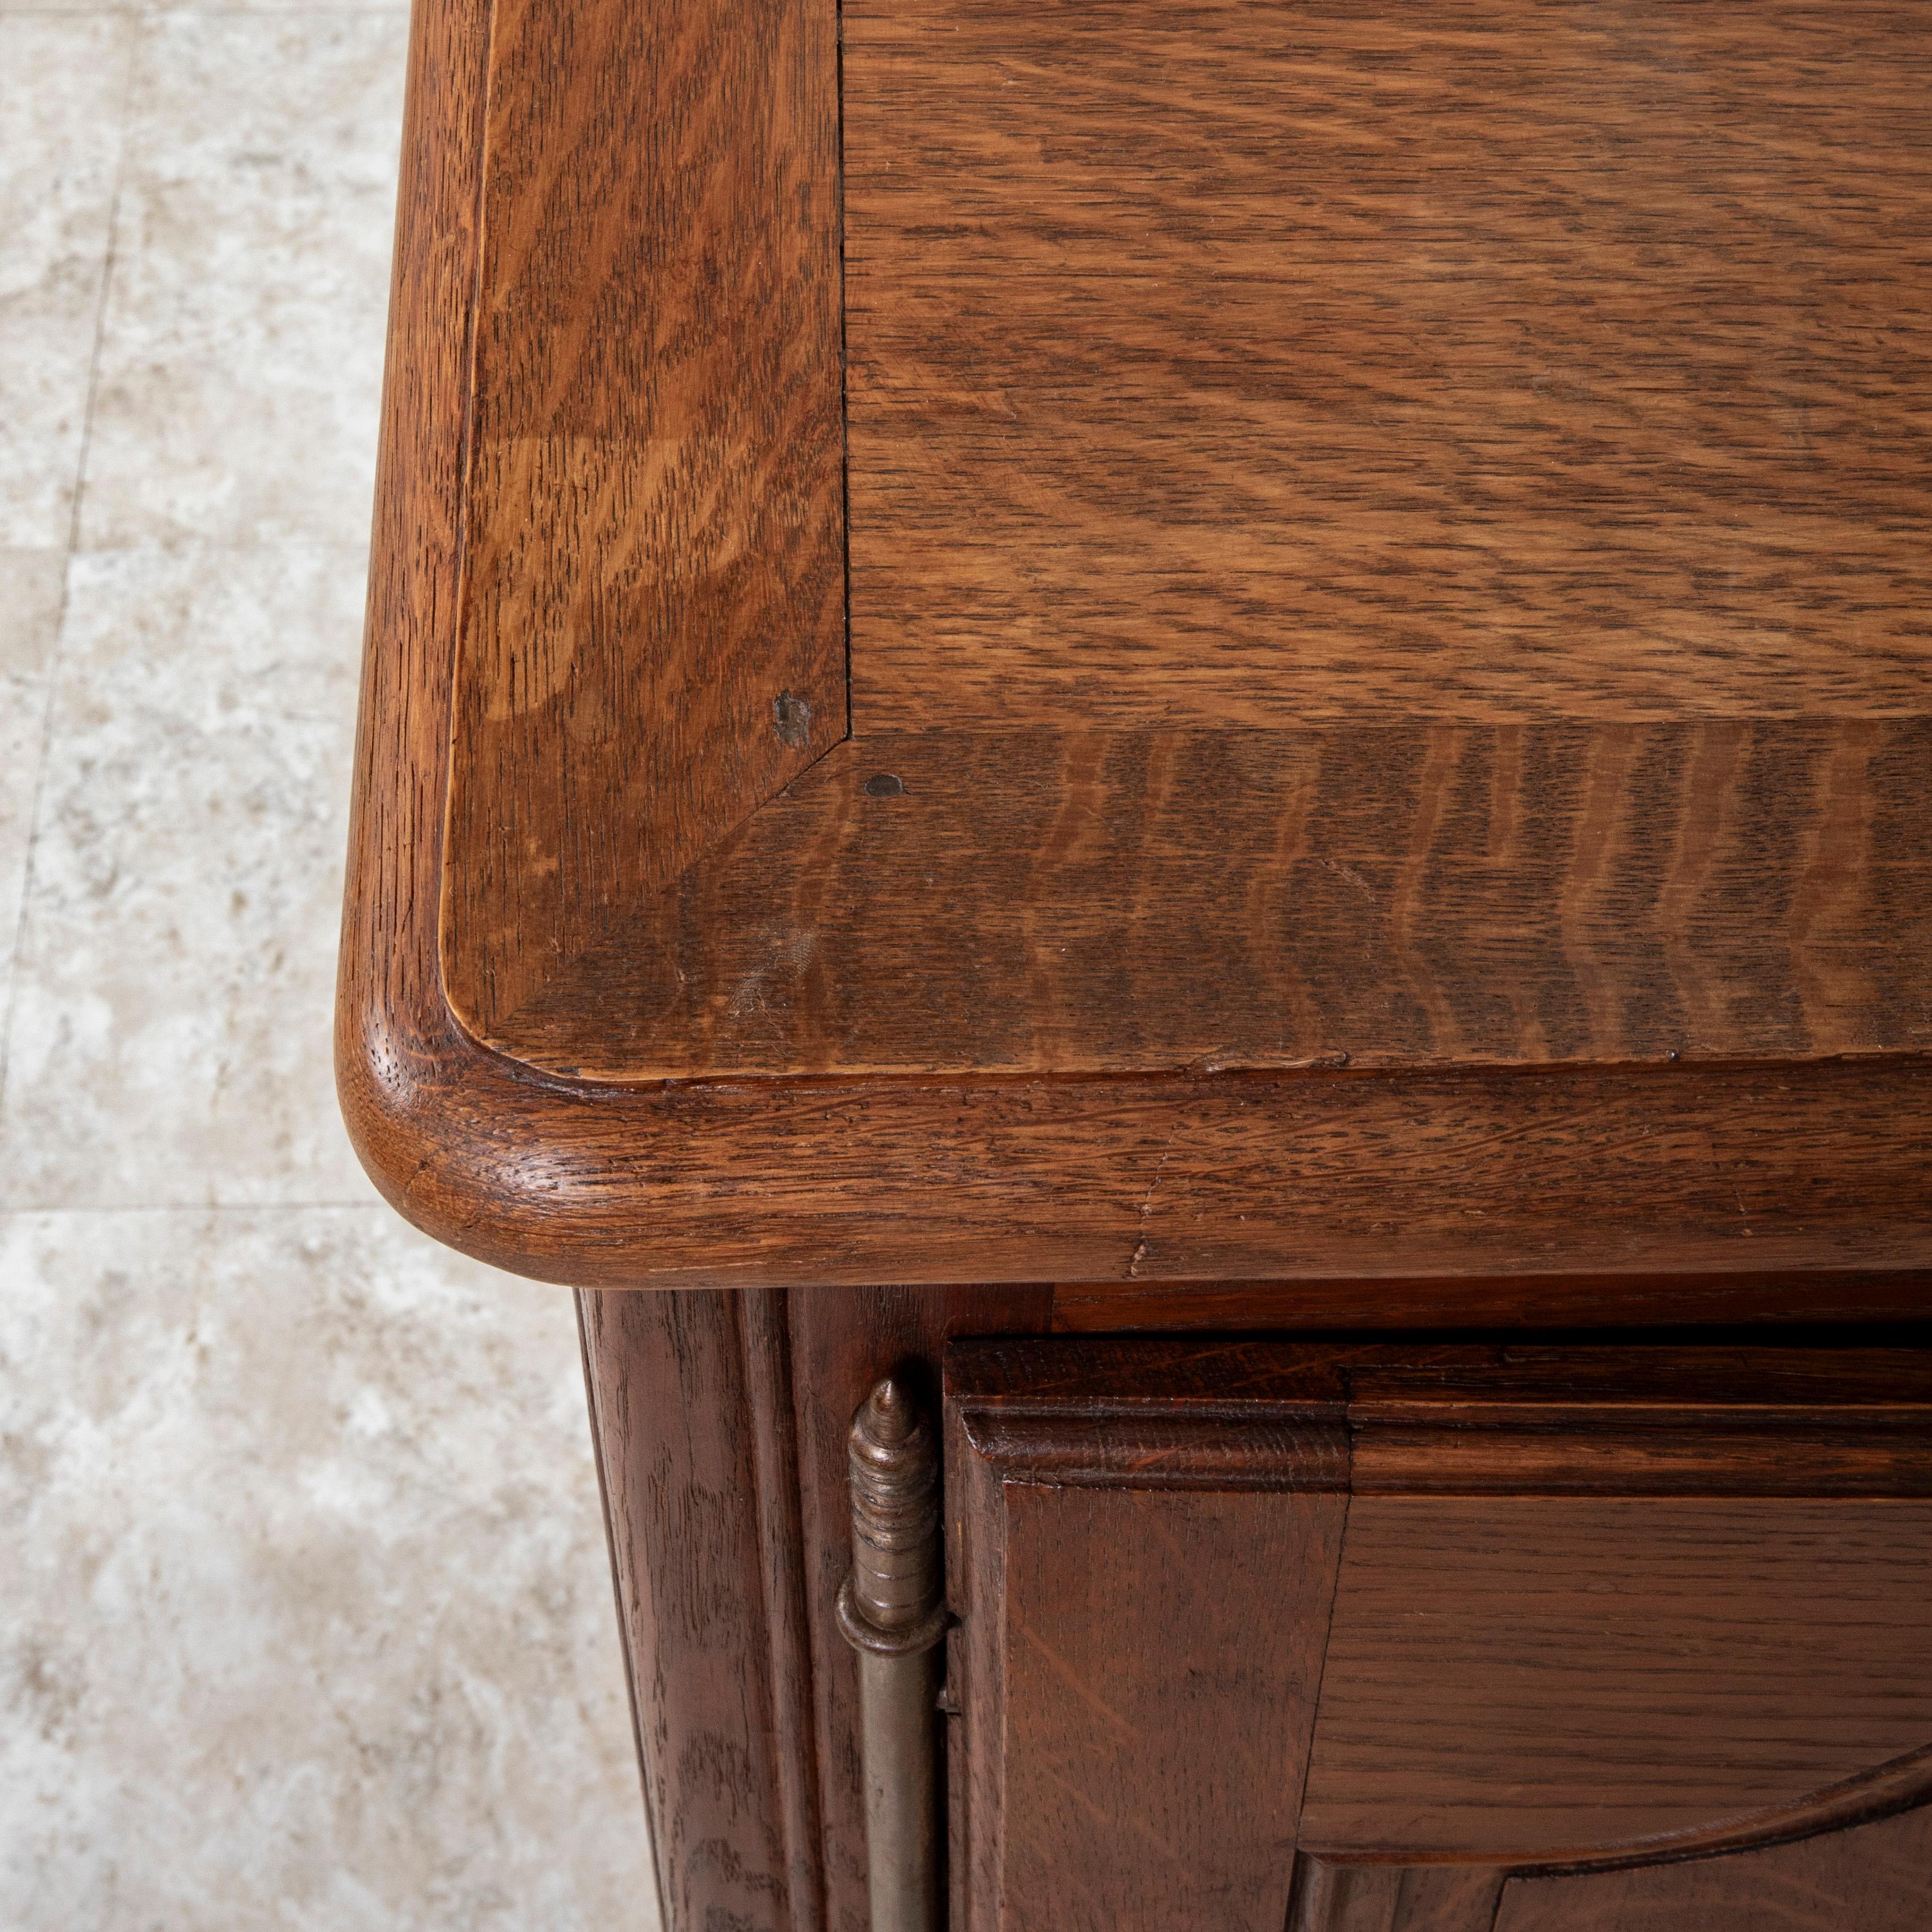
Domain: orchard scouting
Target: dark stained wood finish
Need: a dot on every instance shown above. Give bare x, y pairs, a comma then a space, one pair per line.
1524, 1676
1394, 1898
1133, 1736
1661, 1646
652, 602
1519, 1420
1145, 1536
690, 1414
1124, 1805
1875, 1878
1243, 364
1389, 646
1607, 1302
841, 1343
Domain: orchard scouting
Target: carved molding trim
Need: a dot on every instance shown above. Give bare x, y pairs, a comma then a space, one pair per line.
1332, 1890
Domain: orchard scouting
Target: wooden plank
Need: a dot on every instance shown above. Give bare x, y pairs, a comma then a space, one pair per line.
1547, 1301
1518, 1678
651, 618
638, 538
1118, 902
1133, 1737
1246, 364
690, 1414
653, 597
1873, 1877
1157, 1730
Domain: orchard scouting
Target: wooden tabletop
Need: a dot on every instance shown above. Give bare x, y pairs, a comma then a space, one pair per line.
1229, 642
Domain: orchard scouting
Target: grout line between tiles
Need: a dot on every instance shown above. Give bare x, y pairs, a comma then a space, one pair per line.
54, 651
201, 1207
176, 546
400, 7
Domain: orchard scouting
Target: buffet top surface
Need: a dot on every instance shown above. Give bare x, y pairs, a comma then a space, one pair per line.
1396, 536
1219, 546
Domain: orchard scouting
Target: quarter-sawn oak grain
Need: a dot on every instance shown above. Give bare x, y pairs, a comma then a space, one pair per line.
1550, 396
1801, 1162
1383, 754
1110, 902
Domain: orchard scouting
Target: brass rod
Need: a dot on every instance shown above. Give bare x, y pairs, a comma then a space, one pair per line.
892, 1612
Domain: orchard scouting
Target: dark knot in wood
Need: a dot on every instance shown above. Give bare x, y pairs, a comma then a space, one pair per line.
892, 1601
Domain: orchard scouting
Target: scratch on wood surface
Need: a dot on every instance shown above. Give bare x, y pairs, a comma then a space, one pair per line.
1128, 1733
1139, 1254
1349, 872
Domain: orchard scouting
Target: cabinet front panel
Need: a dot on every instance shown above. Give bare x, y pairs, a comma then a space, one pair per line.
1649, 1655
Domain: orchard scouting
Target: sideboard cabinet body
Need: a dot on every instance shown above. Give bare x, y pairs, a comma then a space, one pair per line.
1205, 726
1386, 1637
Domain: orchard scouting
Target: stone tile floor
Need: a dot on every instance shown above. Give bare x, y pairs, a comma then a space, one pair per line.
304, 1618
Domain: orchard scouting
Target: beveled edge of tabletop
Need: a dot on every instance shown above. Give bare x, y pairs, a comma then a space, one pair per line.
1190, 1175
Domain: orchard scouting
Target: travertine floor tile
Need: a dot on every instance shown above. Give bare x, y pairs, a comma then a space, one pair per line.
30, 595
62, 85
307, 1622
307, 1616
170, 1036
133, 6
240, 362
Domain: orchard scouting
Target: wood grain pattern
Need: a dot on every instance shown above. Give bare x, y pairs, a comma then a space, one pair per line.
1399, 897
1393, 1898
653, 596
1133, 1738
1521, 1420
1661, 1649
1606, 1302
1874, 1878
690, 1413
1625, 1660
720, 1421
1559, 411
1180, 1177
1239, 363
1660, 454
1586, 1674
1137, 1796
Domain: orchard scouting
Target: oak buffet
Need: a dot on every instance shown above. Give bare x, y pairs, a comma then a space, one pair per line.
1201, 729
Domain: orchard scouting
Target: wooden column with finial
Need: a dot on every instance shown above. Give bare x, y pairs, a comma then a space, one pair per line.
891, 1610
